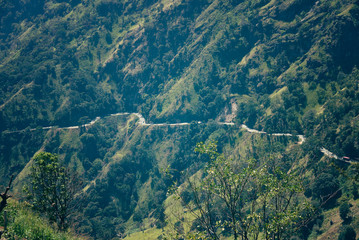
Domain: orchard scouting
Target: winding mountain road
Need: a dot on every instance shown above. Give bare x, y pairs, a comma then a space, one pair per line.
142, 122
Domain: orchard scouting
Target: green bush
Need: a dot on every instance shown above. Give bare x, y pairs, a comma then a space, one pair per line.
344, 211
25, 224
347, 233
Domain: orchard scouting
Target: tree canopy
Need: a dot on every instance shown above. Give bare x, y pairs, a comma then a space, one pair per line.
252, 200
52, 188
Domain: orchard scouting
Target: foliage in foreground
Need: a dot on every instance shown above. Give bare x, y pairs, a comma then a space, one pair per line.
75, 60
26, 224
52, 189
250, 201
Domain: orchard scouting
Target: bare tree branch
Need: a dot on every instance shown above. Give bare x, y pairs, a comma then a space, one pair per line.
4, 196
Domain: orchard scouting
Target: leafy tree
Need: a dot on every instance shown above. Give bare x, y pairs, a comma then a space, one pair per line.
52, 189
326, 188
347, 233
250, 201
344, 211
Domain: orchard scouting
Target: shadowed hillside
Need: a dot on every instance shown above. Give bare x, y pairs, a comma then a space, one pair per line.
276, 66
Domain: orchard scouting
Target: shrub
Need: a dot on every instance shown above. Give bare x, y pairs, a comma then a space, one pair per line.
344, 211
347, 233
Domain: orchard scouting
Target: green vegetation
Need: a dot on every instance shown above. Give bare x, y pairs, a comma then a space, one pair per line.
277, 66
52, 189
26, 224
347, 233
344, 211
251, 200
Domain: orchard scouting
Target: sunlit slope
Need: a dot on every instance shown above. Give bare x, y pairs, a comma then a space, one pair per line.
276, 66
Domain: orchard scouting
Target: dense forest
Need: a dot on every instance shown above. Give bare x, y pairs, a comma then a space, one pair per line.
195, 71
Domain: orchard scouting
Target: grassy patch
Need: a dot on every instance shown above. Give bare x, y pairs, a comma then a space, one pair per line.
152, 233
26, 224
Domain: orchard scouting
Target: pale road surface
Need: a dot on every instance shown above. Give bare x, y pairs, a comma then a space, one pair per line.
328, 153
142, 122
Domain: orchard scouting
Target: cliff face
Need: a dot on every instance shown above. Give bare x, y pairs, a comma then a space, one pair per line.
288, 66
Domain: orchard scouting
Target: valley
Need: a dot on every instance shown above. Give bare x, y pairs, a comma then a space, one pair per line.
148, 101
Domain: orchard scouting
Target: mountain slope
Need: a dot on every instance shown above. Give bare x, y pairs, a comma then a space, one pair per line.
288, 66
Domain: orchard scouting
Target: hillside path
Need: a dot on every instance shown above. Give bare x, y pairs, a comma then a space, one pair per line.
142, 122
13, 96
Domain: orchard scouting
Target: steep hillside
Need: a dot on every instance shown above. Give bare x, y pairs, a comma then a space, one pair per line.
276, 66
64, 63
